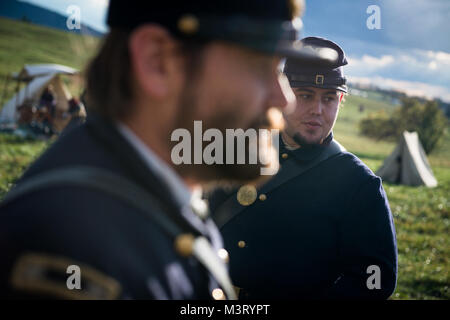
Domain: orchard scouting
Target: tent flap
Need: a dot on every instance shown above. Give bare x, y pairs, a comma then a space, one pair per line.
41, 75
9, 112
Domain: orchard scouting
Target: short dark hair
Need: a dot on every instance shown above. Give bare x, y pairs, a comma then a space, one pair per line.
109, 79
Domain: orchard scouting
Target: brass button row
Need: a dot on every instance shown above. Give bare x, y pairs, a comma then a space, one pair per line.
184, 245
218, 293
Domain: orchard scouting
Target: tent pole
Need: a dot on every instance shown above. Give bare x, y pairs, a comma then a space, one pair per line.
4, 89
17, 93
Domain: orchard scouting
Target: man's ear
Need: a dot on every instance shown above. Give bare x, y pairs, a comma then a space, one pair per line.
151, 56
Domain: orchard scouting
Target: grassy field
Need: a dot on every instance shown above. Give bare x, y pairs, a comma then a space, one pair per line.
421, 214
24, 43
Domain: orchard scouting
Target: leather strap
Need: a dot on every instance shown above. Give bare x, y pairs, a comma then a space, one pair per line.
290, 169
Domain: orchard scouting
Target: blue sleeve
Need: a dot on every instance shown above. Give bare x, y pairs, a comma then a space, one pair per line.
85, 228
367, 238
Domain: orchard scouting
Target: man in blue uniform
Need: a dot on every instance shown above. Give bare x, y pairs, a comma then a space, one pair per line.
322, 228
105, 213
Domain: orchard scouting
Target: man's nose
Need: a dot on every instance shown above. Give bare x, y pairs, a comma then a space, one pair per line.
316, 107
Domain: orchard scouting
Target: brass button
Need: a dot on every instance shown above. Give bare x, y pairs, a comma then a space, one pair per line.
184, 244
246, 195
241, 244
262, 197
218, 294
188, 24
223, 254
284, 155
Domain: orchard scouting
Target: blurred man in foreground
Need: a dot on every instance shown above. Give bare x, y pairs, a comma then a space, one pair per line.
105, 213
322, 227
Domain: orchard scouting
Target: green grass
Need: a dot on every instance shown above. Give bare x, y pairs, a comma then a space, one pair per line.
421, 214
15, 155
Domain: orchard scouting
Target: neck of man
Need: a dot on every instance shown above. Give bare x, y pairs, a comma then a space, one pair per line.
289, 142
293, 144
152, 127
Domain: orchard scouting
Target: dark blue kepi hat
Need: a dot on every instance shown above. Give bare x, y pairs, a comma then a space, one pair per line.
270, 26
303, 74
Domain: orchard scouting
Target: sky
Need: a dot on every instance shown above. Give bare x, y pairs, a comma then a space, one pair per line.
410, 52
93, 12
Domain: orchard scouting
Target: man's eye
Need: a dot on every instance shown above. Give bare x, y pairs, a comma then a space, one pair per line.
304, 96
329, 99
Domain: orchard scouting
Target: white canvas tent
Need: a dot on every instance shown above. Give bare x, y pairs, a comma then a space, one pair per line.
38, 77
408, 163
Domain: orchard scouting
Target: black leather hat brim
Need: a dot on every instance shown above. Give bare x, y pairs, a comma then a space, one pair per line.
295, 84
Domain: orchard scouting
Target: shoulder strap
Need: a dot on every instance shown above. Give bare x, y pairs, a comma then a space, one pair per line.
130, 193
291, 169
101, 180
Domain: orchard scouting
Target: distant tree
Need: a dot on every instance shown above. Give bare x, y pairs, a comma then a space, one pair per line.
426, 118
432, 126
378, 125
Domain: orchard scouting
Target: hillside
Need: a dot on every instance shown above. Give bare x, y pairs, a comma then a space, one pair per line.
24, 43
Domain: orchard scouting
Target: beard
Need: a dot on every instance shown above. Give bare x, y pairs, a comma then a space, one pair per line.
303, 142
226, 174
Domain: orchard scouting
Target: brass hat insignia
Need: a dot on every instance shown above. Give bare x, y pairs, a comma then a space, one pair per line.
188, 24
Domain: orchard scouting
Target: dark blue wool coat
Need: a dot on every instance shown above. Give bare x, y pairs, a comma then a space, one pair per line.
94, 230
315, 236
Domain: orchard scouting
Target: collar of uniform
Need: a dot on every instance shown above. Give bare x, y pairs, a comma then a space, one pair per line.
179, 189
305, 153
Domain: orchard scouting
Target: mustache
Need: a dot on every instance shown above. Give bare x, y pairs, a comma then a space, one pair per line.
271, 119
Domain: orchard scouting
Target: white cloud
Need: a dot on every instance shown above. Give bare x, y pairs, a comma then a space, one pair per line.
442, 57
371, 62
411, 88
100, 3
432, 67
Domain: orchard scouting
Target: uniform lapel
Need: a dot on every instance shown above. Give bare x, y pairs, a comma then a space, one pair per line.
135, 168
